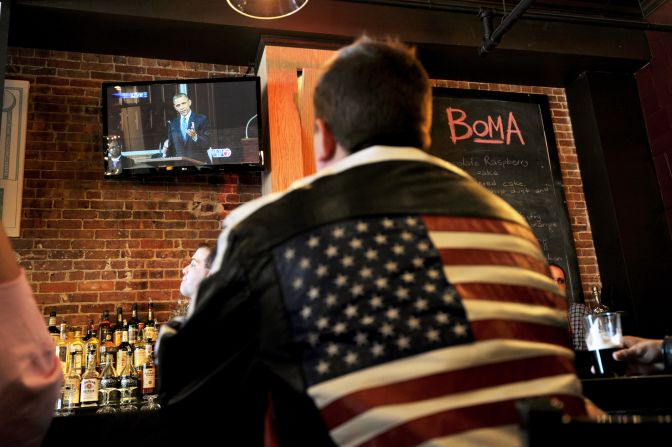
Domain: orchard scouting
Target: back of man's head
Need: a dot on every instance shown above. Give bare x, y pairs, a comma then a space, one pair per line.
375, 92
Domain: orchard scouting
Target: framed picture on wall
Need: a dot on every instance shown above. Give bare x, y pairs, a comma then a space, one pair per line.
12, 153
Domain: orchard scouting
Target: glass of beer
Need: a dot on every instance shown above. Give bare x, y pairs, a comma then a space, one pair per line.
603, 337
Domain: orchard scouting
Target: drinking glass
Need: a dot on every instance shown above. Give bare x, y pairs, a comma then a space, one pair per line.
127, 400
151, 403
603, 337
105, 406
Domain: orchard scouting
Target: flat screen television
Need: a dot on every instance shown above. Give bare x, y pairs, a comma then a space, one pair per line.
181, 125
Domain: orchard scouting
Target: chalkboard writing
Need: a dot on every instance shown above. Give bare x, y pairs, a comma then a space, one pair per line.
506, 142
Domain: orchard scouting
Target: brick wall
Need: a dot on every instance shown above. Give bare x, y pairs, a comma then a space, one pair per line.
90, 244
569, 167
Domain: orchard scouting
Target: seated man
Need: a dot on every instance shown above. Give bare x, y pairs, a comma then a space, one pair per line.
389, 299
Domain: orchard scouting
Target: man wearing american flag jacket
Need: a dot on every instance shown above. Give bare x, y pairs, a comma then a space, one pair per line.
387, 300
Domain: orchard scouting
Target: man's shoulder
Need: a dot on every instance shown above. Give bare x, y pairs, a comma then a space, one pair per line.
366, 190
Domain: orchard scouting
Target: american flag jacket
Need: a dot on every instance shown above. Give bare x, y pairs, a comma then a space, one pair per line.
388, 300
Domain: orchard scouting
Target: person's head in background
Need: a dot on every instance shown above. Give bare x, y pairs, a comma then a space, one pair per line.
197, 270
558, 275
371, 93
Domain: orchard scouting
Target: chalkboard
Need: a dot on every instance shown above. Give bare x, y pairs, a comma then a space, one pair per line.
506, 142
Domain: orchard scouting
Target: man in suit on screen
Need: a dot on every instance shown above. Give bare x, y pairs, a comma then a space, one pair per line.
188, 133
387, 300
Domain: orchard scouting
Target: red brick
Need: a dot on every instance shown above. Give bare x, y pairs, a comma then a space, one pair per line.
169, 284
62, 309
101, 254
89, 286
58, 287
131, 285
92, 275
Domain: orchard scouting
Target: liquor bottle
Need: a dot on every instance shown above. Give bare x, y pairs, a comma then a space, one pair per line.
124, 353
139, 354
78, 347
62, 347
134, 315
53, 329
594, 302
104, 324
148, 371
150, 325
90, 331
72, 384
90, 381
118, 326
109, 382
141, 333
132, 335
107, 347
93, 345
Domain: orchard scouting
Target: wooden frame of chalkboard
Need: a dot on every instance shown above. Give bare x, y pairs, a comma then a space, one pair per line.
506, 142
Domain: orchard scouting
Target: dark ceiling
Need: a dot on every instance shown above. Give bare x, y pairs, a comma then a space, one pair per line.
552, 43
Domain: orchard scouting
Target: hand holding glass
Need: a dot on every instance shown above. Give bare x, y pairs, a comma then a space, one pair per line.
604, 336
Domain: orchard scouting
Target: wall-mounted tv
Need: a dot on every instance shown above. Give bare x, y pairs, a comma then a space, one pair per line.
181, 125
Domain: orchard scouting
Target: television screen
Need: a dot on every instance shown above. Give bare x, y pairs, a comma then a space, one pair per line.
181, 125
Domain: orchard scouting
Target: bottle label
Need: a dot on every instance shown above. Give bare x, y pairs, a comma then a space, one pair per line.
117, 338
139, 357
78, 361
71, 395
150, 333
89, 390
148, 378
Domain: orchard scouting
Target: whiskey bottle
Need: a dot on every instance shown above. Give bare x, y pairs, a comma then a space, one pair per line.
118, 327
78, 347
90, 331
150, 324
53, 329
139, 354
132, 335
124, 352
93, 346
148, 371
103, 325
134, 315
90, 382
62, 347
107, 346
72, 384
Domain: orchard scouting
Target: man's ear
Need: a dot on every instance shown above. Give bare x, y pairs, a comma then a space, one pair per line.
325, 144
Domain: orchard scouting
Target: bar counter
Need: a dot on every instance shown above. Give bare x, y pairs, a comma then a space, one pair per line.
631, 395
641, 395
